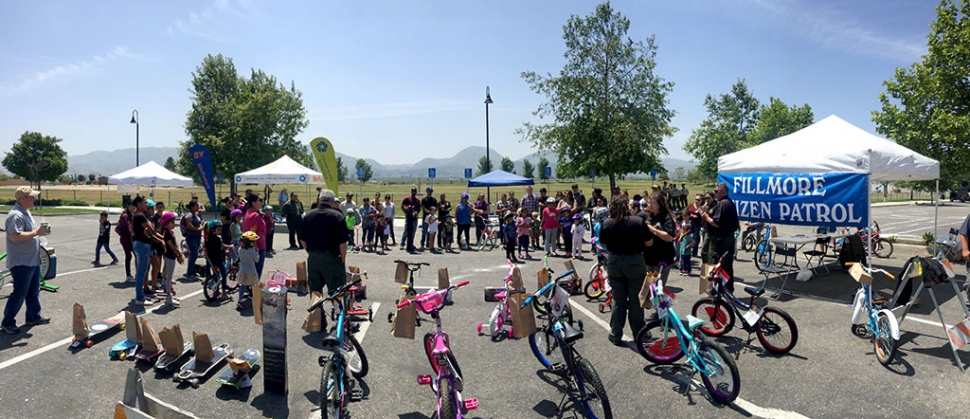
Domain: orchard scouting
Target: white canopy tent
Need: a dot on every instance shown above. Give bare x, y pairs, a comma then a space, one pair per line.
283, 170
152, 174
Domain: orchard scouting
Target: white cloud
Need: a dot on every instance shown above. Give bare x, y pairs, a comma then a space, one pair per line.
203, 23
68, 69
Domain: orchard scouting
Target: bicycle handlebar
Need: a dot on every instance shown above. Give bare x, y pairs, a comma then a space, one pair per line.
406, 303
340, 291
872, 269
412, 263
540, 291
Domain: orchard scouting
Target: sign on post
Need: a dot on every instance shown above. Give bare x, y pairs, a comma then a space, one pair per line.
468, 173
548, 171
653, 174
360, 173
432, 172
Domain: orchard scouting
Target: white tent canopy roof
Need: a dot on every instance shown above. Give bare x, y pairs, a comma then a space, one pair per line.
283, 170
150, 173
833, 145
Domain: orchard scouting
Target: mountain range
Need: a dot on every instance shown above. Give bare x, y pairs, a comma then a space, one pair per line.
111, 162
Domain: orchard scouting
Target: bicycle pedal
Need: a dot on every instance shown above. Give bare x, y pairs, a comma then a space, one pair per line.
356, 393
355, 327
471, 404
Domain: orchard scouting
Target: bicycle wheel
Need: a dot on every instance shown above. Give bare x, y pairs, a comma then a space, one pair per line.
748, 244
724, 382
883, 248
429, 346
330, 397
777, 331
762, 254
356, 358
714, 324
446, 401
885, 345
595, 287
212, 288
546, 349
658, 346
593, 393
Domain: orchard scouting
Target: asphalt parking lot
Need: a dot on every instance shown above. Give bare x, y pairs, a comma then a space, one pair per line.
829, 374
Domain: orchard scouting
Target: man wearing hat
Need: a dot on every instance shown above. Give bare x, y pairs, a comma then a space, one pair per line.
349, 204
427, 203
412, 207
23, 261
324, 236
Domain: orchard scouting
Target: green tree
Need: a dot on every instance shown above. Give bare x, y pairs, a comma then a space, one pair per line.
368, 172
92, 178
244, 122
680, 173
170, 163
608, 109
543, 164
507, 165
484, 166
926, 107
730, 118
528, 171
341, 170
82, 178
777, 119
36, 157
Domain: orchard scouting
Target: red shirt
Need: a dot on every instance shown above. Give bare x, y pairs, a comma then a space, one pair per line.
253, 221
550, 218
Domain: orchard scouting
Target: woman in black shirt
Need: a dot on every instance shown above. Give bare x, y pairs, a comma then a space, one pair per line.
625, 236
663, 227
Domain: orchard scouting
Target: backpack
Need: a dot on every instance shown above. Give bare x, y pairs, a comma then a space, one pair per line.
183, 223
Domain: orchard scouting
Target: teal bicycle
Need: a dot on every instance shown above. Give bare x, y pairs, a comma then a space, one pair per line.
668, 339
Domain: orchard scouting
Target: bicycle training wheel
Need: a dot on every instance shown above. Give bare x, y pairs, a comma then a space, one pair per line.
546, 349
883, 248
722, 380
597, 278
594, 394
715, 324
885, 345
330, 397
777, 331
657, 345
356, 358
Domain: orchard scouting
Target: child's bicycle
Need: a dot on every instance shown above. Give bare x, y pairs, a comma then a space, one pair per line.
598, 278
448, 382
763, 249
489, 238
775, 328
570, 287
502, 313
212, 286
666, 340
336, 388
5, 273
553, 345
880, 325
881, 247
408, 287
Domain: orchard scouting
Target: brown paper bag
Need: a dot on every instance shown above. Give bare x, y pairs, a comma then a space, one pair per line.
352, 269
239, 365
313, 321
543, 278
258, 302
443, 281
171, 339
516, 282
132, 327
404, 321
703, 282
80, 326
569, 265
523, 318
645, 300
203, 347
401, 273
150, 339
301, 275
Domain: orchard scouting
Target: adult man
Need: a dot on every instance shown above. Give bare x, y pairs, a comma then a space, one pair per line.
349, 204
502, 208
282, 197
193, 237
529, 201
444, 207
426, 204
23, 261
412, 207
293, 211
543, 195
684, 195
142, 232
674, 201
578, 197
693, 211
324, 236
513, 202
722, 222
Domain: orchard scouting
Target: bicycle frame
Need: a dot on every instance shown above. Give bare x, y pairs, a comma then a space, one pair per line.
334, 344
496, 320
863, 300
764, 247
668, 315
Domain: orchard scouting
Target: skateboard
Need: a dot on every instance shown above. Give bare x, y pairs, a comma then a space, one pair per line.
146, 355
241, 379
194, 370
167, 361
124, 350
116, 321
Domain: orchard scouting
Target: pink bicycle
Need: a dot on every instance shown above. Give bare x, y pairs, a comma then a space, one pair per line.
502, 313
447, 383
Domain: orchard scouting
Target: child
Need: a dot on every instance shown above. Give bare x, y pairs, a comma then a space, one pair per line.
351, 221
565, 226
536, 228
577, 232
686, 244
215, 251
523, 226
508, 233
172, 254
248, 256
432, 221
449, 232
380, 224
270, 228
235, 229
104, 235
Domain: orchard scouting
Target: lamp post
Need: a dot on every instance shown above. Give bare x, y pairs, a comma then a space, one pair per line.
134, 120
488, 161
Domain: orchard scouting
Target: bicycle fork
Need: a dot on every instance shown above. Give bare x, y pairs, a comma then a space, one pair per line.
446, 371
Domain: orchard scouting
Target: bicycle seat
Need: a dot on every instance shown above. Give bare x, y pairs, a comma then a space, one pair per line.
754, 292
693, 322
571, 334
330, 342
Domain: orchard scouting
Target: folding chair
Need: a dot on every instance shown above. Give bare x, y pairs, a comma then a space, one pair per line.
817, 254
773, 270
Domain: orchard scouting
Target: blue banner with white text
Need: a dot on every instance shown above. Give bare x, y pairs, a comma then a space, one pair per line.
203, 163
808, 199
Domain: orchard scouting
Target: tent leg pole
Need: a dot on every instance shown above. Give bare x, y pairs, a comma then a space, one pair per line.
936, 218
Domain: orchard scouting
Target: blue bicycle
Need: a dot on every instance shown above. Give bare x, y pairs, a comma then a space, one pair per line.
335, 386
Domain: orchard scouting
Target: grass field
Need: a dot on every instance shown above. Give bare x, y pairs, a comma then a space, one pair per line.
54, 210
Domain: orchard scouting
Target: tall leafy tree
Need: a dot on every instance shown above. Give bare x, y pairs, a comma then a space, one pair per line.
507, 165
368, 172
484, 166
608, 110
82, 178
170, 164
927, 106
36, 157
543, 163
244, 122
341, 170
528, 171
777, 119
730, 118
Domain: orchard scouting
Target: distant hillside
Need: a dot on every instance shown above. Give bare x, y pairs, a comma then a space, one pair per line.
106, 163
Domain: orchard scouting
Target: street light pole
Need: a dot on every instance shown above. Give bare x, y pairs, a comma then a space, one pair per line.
488, 161
134, 120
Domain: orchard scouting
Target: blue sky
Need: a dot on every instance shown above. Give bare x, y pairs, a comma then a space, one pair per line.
401, 80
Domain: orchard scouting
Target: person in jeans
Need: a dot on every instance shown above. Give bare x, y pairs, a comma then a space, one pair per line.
142, 232
722, 223
324, 237
626, 237
412, 207
104, 237
293, 212
23, 261
368, 225
193, 237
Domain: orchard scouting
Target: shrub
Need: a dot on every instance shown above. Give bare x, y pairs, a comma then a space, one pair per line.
928, 238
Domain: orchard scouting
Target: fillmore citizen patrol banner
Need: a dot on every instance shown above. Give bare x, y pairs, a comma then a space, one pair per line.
809, 199
203, 163
326, 161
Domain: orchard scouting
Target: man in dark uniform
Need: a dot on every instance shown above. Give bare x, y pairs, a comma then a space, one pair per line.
293, 211
412, 207
722, 222
323, 233
626, 237
427, 203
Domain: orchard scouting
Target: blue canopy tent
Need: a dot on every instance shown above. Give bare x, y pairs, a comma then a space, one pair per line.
499, 178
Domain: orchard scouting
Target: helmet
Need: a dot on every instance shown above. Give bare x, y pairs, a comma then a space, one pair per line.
166, 217
550, 200
464, 196
250, 236
578, 216
350, 210
234, 213
213, 224
267, 208
150, 203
